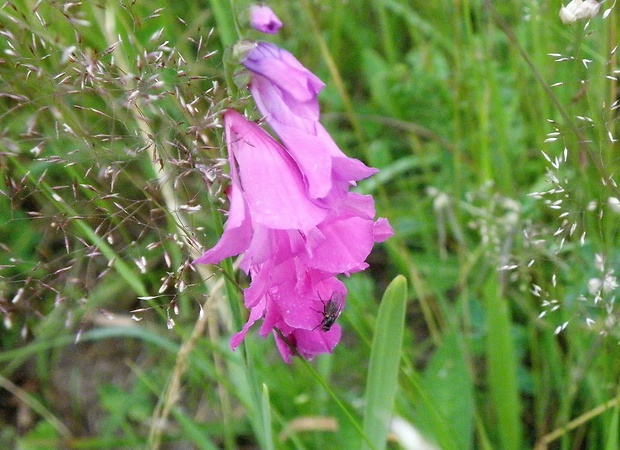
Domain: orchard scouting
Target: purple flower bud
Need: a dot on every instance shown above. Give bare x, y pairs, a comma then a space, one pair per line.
263, 19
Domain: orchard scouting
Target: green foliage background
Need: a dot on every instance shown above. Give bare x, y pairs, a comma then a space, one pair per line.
498, 328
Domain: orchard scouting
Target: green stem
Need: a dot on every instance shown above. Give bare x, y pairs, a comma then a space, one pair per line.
224, 12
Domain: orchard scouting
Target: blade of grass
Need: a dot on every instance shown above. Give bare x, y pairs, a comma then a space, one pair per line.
248, 378
36, 406
15, 357
613, 437
242, 373
334, 73
193, 431
448, 383
387, 32
544, 442
569, 123
385, 353
426, 407
266, 408
224, 13
111, 27
502, 369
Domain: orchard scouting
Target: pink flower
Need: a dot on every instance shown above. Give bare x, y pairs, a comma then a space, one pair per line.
286, 94
294, 304
263, 19
293, 246
292, 214
270, 214
267, 193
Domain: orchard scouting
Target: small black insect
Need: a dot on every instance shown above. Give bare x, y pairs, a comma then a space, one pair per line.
331, 311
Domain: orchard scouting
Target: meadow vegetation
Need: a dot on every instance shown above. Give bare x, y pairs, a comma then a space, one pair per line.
494, 126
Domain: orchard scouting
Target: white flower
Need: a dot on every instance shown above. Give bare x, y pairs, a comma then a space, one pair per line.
614, 204
579, 9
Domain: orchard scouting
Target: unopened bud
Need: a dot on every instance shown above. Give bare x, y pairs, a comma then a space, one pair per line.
263, 19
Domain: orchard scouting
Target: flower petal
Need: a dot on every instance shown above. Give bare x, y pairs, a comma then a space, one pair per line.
283, 69
382, 230
286, 94
255, 314
346, 246
271, 181
312, 343
237, 231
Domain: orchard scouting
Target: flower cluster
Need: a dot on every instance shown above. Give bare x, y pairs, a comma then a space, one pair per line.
292, 214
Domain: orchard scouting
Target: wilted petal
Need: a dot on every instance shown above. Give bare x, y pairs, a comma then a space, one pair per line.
263, 19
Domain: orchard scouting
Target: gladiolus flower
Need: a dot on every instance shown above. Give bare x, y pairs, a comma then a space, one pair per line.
293, 246
291, 213
269, 216
263, 19
267, 193
296, 308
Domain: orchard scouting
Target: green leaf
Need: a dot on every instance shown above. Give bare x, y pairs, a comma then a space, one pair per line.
266, 407
385, 354
613, 436
502, 367
448, 383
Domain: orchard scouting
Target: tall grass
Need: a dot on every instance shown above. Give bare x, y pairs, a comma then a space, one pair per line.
494, 126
